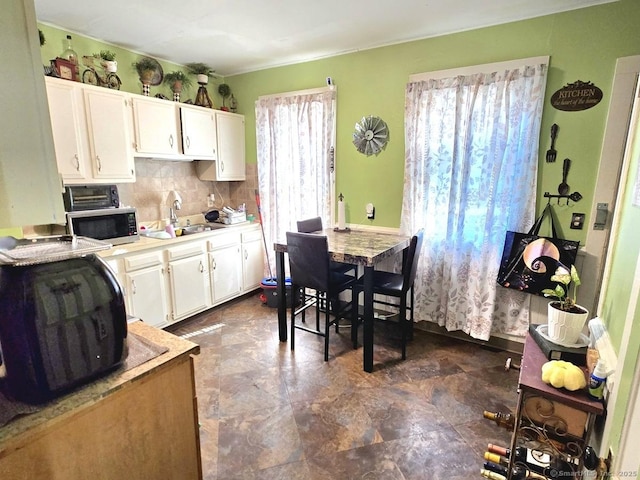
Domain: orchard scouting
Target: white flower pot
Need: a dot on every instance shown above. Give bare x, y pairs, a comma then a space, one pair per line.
202, 78
111, 66
565, 327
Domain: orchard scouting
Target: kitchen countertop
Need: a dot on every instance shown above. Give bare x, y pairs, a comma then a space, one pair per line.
146, 243
86, 397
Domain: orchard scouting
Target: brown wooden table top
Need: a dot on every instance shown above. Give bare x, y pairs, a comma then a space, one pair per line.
531, 380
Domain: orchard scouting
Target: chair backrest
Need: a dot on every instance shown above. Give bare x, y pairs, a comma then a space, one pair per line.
310, 225
410, 268
308, 260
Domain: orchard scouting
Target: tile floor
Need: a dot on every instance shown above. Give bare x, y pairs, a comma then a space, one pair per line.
269, 413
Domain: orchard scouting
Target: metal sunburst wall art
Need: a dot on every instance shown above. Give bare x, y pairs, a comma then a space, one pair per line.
371, 135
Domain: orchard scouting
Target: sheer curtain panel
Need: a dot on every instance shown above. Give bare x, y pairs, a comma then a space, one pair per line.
295, 137
470, 175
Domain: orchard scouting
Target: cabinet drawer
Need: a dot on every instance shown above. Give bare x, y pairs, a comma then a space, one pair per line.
251, 236
136, 262
224, 240
183, 251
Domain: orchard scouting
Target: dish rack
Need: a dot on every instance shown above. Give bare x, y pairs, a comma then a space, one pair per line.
231, 218
32, 251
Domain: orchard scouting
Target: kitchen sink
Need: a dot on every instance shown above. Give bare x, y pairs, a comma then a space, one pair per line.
197, 228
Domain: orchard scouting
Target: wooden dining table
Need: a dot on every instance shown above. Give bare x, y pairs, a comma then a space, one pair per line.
357, 247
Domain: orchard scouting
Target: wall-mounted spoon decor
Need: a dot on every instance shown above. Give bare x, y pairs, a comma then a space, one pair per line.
563, 188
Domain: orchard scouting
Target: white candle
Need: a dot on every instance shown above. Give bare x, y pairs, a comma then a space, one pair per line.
341, 225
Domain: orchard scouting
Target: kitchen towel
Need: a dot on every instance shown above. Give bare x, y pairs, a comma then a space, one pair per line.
141, 350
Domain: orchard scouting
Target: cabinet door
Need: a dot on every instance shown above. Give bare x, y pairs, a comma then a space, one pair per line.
147, 295
231, 154
156, 127
226, 273
68, 125
190, 285
109, 123
252, 264
199, 133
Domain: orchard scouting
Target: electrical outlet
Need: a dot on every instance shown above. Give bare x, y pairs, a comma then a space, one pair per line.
371, 211
211, 200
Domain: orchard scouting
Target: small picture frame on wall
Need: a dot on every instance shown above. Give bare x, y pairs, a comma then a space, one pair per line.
65, 69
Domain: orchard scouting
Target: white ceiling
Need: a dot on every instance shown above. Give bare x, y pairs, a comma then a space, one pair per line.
237, 36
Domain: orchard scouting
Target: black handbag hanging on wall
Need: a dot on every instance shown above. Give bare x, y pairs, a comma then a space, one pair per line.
529, 260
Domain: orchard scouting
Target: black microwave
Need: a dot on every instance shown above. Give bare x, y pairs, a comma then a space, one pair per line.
113, 225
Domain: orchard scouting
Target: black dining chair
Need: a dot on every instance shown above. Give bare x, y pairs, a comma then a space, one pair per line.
397, 285
311, 225
309, 268
314, 224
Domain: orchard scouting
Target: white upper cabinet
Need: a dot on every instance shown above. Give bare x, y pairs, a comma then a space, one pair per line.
91, 133
199, 132
156, 128
230, 164
231, 161
109, 128
69, 129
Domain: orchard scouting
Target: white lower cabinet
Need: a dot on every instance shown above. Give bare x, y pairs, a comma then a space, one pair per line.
252, 260
189, 280
165, 285
146, 288
225, 265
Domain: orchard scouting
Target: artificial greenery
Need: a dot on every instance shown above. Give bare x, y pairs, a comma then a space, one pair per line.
565, 300
144, 64
177, 76
224, 90
42, 39
106, 55
198, 68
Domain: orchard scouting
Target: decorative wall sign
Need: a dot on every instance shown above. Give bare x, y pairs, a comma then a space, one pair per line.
576, 96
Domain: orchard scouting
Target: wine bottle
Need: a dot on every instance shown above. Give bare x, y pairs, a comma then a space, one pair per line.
71, 55
497, 449
492, 475
494, 467
505, 420
495, 458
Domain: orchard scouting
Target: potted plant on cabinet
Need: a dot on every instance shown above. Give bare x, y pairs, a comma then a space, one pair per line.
566, 318
146, 68
108, 60
201, 70
177, 80
224, 90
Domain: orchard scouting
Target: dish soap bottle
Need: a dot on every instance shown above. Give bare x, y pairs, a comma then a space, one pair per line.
597, 380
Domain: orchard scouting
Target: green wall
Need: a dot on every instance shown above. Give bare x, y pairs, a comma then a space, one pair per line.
583, 45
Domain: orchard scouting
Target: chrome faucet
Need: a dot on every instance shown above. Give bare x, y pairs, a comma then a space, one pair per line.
173, 217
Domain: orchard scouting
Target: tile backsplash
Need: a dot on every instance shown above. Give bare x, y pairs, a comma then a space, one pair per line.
156, 178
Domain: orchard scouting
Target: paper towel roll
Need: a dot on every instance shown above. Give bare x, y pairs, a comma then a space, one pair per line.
341, 225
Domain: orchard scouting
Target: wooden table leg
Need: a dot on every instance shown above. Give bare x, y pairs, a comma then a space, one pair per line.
367, 330
281, 297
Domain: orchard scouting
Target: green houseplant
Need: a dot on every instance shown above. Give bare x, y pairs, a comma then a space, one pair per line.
146, 67
177, 80
106, 55
201, 70
224, 90
565, 317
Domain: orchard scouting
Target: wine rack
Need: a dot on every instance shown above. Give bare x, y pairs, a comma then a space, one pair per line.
553, 424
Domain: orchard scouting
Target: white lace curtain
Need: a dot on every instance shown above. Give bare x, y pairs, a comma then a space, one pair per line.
294, 134
470, 175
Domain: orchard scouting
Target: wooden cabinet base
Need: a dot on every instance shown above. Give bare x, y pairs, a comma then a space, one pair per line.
148, 429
